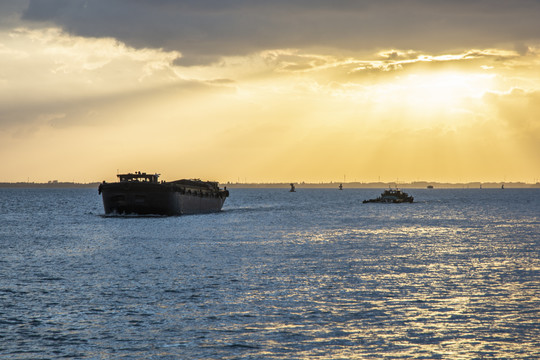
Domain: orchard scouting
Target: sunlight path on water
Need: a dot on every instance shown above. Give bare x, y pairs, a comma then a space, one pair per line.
313, 274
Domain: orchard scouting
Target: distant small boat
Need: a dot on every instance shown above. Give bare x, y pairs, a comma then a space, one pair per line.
502, 186
293, 189
392, 196
340, 186
430, 186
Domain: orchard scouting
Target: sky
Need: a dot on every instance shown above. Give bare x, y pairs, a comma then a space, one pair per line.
270, 91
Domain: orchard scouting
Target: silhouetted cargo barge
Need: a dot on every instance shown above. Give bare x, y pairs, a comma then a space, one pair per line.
143, 194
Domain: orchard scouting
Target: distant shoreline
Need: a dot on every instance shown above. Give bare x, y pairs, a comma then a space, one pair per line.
49, 185
386, 185
331, 185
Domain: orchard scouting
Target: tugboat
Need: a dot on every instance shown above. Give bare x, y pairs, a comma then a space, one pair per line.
142, 194
392, 196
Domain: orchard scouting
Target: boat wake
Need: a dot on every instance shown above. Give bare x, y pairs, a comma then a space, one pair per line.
132, 216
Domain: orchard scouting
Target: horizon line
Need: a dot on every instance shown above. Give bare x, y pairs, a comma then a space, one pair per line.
417, 183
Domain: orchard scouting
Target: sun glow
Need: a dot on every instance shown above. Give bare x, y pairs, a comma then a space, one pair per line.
438, 91
441, 87
427, 99
267, 117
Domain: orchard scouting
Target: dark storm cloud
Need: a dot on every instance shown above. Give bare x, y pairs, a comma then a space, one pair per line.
204, 30
10, 12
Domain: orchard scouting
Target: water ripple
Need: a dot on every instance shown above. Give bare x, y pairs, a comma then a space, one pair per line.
315, 275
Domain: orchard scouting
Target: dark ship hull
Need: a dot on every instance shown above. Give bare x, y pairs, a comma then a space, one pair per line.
392, 197
166, 198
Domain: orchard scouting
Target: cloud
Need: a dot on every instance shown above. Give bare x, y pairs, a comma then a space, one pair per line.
520, 112
47, 72
206, 30
355, 81
53, 72
385, 65
10, 13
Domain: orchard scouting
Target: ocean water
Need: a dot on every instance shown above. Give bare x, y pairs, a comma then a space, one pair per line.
314, 274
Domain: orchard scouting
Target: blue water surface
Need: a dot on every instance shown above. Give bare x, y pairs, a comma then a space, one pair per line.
276, 275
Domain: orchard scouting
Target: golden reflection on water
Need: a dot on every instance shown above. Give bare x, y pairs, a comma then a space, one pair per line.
437, 300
